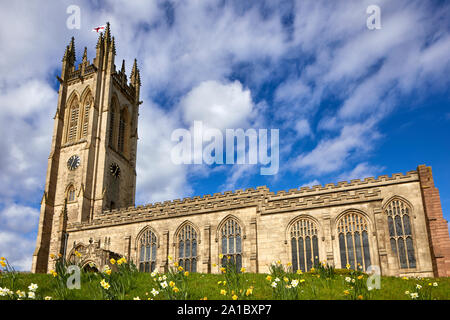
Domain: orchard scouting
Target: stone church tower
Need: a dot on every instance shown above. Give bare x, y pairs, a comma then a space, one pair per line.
92, 163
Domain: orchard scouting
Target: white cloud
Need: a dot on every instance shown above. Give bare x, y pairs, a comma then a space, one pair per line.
312, 183
331, 154
218, 105
17, 249
361, 171
19, 218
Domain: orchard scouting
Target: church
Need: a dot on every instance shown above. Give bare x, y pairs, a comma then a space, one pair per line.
392, 222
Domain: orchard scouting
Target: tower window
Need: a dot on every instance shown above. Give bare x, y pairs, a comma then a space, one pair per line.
111, 127
86, 119
73, 123
71, 194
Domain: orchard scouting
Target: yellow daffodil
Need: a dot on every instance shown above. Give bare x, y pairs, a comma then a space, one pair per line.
77, 254
299, 271
223, 292
286, 279
220, 256
175, 264
51, 256
214, 265
269, 278
112, 261
360, 297
243, 269
234, 297
360, 277
249, 292
219, 282
313, 270
171, 283
170, 258
186, 273
346, 292
175, 289
108, 271
2, 264
2, 258
347, 266
278, 262
289, 264
180, 268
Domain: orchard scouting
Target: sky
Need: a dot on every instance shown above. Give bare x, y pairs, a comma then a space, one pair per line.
349, 102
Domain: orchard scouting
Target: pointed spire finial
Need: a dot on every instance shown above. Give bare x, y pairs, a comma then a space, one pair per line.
85, 54
135, 77
100, 40
108, 33
123, 67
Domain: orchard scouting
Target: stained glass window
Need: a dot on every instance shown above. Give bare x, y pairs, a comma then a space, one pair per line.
187, 248
147, 252
231, 243
401, 240
354, 241
304, 244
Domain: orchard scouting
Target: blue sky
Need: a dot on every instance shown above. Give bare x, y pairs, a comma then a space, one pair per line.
349, 102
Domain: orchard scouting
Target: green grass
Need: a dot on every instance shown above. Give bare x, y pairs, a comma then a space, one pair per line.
206, 285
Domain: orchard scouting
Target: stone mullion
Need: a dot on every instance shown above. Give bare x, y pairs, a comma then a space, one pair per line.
380, 237
253, 234
206, 250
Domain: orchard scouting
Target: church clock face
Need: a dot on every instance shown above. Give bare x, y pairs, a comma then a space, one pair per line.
115, 170
73, 162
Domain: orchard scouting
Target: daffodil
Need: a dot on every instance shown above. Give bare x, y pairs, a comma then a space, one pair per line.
243, 269
186, 273
346, 292
234, 297
249, 292
223, 292
112, 261
48, 298
269, 278
299, 271
220, 256
175, 289
171, 284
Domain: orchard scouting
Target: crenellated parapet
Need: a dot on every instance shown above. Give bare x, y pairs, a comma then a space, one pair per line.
265, 201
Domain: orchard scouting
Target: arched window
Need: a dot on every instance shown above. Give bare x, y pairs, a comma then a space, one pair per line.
147, 251
231, 243
304, 245
122, 131
187, 248
72, 132
87, 107
353, 233
112, 119
400, 235
71, 193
